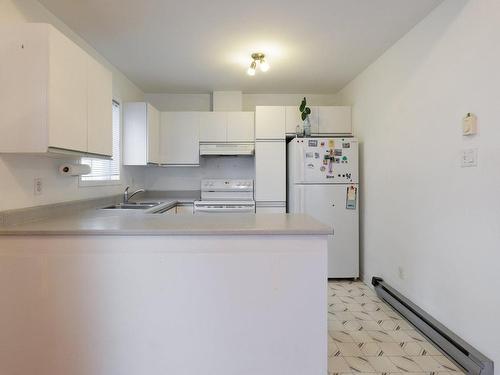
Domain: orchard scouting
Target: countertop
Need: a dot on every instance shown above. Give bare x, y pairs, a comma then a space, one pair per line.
138, 222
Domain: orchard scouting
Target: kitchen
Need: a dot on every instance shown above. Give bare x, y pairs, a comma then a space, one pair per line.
222, 132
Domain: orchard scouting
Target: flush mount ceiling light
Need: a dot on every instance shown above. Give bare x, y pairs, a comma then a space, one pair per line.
258, 58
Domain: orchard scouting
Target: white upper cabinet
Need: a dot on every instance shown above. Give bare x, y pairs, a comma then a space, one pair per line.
141, 138
213, 126
227, 127
325, 120
240, 127
99, 111
269, 122
153, 126
335, 120
179, 138
67, 116
55, 97
293, 119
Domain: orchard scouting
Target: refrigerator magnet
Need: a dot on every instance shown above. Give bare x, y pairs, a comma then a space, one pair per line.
350, 203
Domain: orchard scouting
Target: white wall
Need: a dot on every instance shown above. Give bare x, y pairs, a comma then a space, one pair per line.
17, 172
252, 100
188, 178
420, 209
180, 102
203, 102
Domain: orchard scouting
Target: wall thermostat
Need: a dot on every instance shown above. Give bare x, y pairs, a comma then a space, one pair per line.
469, 124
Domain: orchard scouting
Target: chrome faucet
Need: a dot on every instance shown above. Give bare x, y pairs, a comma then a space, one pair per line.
126, 195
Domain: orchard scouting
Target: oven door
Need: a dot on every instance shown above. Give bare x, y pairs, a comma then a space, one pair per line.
203, 207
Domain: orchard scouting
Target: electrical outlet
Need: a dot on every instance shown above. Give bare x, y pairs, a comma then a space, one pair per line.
37, 186
401, 273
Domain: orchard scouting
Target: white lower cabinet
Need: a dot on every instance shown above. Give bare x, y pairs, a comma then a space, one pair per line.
270, 171
270, 210
179, 139
184, 209
171, 211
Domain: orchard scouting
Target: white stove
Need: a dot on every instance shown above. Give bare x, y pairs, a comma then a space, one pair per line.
225, 196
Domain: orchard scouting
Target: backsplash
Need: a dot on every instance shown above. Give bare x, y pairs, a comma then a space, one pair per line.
188, 178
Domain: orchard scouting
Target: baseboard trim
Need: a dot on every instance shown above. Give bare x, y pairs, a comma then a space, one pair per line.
473, 361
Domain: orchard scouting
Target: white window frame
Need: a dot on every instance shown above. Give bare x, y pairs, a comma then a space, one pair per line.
87, 183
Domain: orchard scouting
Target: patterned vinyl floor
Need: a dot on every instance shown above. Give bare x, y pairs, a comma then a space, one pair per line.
367, 336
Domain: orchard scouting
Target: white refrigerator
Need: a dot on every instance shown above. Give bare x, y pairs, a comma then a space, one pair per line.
323, 183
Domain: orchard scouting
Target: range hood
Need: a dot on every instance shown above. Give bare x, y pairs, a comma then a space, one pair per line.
226, 148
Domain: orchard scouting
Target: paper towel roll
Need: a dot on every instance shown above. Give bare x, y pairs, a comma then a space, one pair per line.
74, 169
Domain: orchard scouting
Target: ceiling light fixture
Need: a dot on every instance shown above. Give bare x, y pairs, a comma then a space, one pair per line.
251, 69
259, 58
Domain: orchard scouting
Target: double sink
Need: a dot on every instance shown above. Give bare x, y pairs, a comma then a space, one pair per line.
152, 207
133, 206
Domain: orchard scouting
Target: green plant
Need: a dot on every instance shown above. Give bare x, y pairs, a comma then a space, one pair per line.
304, 110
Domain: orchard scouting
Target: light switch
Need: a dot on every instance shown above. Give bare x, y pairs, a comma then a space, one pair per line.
469, 157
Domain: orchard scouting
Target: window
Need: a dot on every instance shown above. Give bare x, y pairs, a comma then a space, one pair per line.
106, 172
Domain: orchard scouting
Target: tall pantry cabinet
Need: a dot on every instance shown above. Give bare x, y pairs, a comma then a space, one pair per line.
270, 159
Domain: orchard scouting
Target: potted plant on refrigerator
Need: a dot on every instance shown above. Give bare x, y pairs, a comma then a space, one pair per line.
305, 111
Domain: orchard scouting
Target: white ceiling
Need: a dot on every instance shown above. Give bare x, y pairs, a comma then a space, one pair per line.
193, 46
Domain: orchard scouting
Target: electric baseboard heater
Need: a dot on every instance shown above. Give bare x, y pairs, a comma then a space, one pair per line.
461, 352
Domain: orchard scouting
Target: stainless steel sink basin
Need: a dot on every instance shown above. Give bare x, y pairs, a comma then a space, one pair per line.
132, 206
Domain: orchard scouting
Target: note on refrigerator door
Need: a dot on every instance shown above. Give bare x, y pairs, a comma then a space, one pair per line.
351, 196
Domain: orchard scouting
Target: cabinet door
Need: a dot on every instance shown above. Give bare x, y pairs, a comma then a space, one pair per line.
99, 109
335, 120
213, 126
179, 138
270, 210
270, 171
314, 119
153, 136
184, 209
134, 137
240, 127
269, 122
292, 119
67, 117
23, 97
171, 211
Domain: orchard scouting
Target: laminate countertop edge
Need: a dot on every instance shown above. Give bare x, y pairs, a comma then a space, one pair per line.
105, 223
